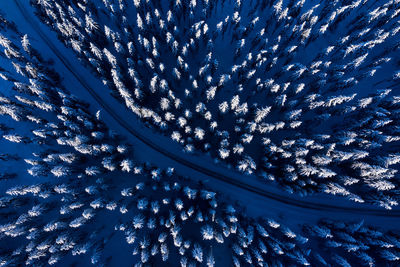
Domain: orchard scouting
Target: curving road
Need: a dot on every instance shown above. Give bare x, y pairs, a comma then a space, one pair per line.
181, 160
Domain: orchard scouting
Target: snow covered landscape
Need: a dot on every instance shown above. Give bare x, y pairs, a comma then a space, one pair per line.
199, 133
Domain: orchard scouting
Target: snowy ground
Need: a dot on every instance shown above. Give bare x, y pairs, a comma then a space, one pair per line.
146, 153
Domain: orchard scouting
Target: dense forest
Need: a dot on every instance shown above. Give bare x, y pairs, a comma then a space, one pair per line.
134, 132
